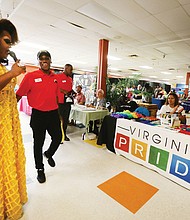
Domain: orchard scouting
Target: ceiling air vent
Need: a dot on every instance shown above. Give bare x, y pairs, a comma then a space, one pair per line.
76, 25
133, 55
51, 25
133, 70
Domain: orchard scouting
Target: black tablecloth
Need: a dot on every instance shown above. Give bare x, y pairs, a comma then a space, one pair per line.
107, 132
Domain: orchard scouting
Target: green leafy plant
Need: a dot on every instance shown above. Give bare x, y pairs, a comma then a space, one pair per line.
115, 90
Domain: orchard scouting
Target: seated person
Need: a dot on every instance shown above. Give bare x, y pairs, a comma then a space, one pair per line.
99, 103
79, 97
172, 106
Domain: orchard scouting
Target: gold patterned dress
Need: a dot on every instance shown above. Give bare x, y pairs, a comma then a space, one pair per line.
12, 156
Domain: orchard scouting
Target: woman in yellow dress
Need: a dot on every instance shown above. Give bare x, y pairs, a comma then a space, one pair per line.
12, 157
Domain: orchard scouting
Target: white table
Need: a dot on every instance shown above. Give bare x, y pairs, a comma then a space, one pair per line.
86, 114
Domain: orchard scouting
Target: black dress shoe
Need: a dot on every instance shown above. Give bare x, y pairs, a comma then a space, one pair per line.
49, 159
41, 176
67, 139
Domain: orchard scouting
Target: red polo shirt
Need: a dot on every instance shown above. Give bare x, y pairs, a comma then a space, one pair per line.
41, 90
65, 83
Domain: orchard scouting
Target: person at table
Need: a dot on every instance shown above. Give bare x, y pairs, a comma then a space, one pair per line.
172, 106
41, 89
80, 98
99, 103
65, 96
12, 157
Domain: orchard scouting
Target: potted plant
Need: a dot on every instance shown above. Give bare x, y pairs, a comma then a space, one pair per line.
115, 90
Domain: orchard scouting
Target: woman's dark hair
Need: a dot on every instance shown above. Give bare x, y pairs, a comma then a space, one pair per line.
6, 25
175, 97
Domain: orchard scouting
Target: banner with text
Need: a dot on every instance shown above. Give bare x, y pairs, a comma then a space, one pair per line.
163, 150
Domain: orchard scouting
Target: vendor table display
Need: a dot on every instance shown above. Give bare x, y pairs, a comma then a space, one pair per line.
163, 149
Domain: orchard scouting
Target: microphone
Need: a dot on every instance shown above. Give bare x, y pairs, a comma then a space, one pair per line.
13, 55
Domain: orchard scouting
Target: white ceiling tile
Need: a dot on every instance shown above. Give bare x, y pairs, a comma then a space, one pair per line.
85, 22
49, 7
98, 13
36, 15
155, 6
152, 26
167, 37
183, 2
175, 19
127, 10
187, 8
74, 4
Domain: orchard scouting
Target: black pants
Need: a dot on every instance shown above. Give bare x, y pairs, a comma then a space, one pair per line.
40, 123
64, 111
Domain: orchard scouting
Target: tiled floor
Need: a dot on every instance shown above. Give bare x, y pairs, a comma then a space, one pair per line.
71, 193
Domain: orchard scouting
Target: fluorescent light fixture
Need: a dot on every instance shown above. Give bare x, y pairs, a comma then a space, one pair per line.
165, 79
115, 69
179, 76
32, 45
153, 77
146, 67
113, 58
136, 73
166, 73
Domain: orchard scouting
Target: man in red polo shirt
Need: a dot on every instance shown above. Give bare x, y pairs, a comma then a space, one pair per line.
41, 89
65, 98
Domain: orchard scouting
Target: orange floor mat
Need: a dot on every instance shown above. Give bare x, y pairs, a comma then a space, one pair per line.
128, 190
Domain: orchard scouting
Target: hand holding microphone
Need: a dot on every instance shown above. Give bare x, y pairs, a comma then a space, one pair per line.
16, 68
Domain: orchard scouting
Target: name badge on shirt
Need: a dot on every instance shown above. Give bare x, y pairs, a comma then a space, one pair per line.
38, 80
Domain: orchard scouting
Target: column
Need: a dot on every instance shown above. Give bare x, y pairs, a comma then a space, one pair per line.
102, 66
187, 84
